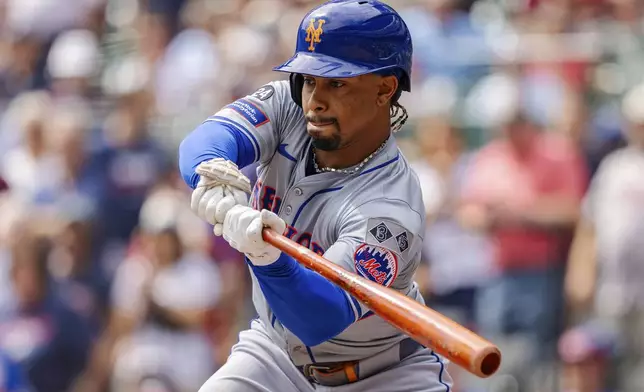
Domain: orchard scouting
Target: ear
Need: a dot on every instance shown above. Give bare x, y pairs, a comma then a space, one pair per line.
387, 89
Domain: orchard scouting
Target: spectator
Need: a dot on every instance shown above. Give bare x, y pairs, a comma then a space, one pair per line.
29, 168
48, 340
76, 271
606, 266
456, 261
81, 173
524, 190
19, 68
132, 162
162, 298
435, 26
72, 62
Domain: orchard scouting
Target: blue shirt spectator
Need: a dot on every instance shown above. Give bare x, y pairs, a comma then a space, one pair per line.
48, 341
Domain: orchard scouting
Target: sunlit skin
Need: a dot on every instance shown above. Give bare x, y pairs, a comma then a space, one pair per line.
522, 135
28, 273
635, 135
347, 118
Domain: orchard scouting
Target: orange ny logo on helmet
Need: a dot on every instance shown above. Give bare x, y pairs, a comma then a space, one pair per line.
313, 34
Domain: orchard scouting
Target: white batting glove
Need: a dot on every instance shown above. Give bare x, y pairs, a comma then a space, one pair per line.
221, 186
243, 230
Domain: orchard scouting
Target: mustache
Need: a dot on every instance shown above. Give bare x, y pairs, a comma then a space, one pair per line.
320, 119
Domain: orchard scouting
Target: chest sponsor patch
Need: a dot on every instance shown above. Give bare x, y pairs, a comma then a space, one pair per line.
376, 263
250, 112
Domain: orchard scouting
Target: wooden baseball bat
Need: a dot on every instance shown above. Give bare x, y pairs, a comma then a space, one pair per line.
426, 326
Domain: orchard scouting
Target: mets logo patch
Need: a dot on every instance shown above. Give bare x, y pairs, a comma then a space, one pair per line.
376, 264
314, 33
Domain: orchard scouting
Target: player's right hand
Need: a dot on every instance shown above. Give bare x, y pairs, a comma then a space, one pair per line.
221, 186
243, 229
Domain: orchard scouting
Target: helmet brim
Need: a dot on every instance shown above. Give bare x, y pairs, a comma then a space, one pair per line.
324, 66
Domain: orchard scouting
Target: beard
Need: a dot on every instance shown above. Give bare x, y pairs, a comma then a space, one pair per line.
325, 143
331, 143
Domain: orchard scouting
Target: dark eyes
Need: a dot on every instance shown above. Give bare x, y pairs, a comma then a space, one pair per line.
332, 83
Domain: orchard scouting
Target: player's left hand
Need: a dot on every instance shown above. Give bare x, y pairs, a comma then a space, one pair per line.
243, 230
221, 186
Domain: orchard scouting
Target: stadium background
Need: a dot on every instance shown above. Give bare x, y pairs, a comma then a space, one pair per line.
108, 282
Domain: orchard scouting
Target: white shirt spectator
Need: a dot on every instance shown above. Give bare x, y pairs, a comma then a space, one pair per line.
31, 179
615, 206
185, 357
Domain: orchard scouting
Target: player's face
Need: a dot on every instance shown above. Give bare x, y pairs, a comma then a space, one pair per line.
337, 110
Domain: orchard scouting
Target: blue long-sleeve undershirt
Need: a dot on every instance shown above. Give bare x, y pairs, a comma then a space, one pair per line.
310, 306
212, 140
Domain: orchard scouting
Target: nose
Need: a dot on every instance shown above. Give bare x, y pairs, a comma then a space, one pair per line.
317, 102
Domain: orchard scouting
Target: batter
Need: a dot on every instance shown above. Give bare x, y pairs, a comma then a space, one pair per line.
331, 178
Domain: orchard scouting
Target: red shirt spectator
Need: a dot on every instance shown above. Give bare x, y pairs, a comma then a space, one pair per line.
520, 186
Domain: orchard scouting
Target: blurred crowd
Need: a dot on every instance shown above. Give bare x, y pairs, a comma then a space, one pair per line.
526, 130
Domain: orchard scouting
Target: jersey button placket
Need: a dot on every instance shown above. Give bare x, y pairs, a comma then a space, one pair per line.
288, 209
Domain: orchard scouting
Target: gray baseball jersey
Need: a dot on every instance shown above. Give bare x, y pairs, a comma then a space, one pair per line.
370, 222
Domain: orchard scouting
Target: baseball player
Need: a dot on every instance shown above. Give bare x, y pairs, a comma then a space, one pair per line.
331, 178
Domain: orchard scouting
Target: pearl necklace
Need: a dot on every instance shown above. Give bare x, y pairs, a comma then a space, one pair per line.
353, 170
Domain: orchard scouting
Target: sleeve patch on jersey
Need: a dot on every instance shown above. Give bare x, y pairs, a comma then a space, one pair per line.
381, 232
403, 243
388, 234
250, 112
376, 263
264, 92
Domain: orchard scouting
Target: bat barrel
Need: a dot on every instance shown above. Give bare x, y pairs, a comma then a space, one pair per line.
430, 328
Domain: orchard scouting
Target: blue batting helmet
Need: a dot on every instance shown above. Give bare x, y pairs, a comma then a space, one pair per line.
346, 38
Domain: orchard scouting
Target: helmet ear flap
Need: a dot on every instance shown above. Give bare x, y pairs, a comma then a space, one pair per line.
297, 83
